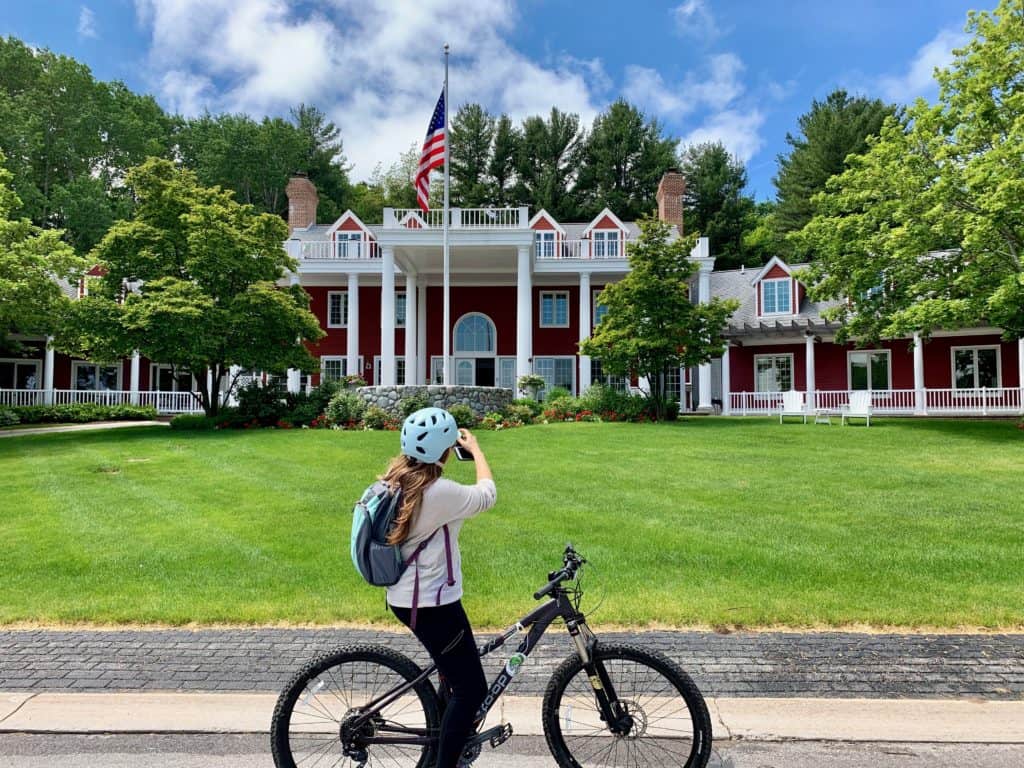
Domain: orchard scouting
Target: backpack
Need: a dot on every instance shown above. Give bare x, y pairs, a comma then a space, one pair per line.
378, 562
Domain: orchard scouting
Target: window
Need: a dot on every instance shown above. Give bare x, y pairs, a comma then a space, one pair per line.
556, 371
399, 370
870, 369
976, 367
597, 376
775, 297
544, 245
554, 309
773, 373
437, 370
337, 309
337, 367
475, 333
400, 310
673, 388
507, 372
89, 376
348, 245
599, 310
464, 373
606, 244
20, 374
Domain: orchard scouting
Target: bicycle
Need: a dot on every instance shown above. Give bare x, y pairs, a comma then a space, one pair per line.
368, 705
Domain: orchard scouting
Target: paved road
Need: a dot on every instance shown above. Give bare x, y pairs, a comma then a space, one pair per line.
216, 751
830, 664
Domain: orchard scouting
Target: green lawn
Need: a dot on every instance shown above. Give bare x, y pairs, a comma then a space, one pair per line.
704, 522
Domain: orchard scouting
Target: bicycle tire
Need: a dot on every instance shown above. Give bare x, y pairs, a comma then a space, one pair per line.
683, 741
334, 682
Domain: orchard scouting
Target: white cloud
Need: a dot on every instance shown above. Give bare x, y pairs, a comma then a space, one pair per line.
919, 79
87, 23
693, 18
739, 130
713, 88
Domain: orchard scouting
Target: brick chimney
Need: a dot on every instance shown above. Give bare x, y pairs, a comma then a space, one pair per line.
670, 198
302, 202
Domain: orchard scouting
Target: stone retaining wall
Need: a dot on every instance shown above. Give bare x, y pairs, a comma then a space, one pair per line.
482, 400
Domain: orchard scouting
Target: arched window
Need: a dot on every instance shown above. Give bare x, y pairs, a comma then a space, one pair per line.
475, 333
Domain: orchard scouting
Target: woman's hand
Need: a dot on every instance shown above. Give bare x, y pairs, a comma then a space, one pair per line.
468, 441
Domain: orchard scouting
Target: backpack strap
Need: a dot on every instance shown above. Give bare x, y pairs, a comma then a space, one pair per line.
416, 577
448, 558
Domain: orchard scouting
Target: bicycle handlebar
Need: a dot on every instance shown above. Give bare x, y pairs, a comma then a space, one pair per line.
571, 562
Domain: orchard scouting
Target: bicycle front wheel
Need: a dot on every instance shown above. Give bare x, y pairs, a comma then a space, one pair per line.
314, 720
669, 722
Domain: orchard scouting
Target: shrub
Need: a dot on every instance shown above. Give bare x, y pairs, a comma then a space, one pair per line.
409, 405
353, 381
464, 416
8, 418
557, 393
345, 409
263, 404
303, 413
560, 408
322, 395
376, 418
83, 412
520, 414
195, 421
495, 420
528, 402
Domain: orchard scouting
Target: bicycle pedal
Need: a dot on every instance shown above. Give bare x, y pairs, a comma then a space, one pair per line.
504, 734
495, 736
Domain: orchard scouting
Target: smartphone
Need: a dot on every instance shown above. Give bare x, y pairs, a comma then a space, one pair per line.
462, 454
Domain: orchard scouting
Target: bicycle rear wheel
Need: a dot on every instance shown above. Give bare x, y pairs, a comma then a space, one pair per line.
311, 722
670, 722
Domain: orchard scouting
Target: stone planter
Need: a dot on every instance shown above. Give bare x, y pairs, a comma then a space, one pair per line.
482, 400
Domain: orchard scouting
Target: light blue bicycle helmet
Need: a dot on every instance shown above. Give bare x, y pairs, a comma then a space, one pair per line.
428, 433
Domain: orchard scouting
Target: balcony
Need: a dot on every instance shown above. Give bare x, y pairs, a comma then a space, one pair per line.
459, 218
1002, 401
581, 249
345, 250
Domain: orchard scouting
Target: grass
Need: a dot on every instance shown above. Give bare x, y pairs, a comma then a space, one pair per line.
705, 522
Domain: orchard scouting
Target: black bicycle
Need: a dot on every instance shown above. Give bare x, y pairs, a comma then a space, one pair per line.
606, 705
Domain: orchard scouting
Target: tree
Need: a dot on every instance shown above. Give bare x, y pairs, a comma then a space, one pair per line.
546, 163
205, 268
831, 131
501, 169
623, 159
472, 132
651, 326
761, 240
926, 230
323, 160
31, 300
714, 204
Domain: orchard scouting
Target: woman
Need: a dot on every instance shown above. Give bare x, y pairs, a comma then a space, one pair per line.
428, 597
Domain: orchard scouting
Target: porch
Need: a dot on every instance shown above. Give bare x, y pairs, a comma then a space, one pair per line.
1001, 401
167, 403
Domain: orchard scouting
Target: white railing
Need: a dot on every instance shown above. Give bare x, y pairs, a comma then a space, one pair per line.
460, 218
903, 402
340, 249
164, 402
582, 249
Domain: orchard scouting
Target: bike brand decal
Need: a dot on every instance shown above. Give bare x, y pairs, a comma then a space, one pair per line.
595, 682
514, 663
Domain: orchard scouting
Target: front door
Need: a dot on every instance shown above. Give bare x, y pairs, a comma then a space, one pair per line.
485, 371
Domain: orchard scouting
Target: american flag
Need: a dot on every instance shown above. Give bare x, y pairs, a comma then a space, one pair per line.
433, 154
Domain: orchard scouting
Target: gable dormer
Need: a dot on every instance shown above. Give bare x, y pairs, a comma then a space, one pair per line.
548, 235
778, 292
607, 235
352, 239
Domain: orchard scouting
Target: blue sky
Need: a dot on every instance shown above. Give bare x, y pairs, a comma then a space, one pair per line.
738, 71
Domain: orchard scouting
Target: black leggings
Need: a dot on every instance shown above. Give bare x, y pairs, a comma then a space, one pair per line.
445, 633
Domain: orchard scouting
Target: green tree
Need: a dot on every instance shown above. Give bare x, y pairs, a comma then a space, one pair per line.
832, 130
651, 326
547, 161
926, 230
390, 187
205, 270
472, 132
714, 204
501, 169
622, 161
761, 240
324, 160
31, 300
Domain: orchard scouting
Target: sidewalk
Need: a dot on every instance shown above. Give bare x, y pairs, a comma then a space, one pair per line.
91, 426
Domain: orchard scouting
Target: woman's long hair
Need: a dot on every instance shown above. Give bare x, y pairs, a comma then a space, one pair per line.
412, 477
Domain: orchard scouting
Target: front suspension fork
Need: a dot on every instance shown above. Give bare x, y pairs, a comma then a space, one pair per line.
608, 703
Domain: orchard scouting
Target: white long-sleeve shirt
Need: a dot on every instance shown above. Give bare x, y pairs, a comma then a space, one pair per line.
444, 502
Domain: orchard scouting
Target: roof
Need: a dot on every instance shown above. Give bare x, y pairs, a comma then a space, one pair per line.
735, 284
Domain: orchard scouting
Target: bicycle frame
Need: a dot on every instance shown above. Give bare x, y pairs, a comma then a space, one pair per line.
536, 622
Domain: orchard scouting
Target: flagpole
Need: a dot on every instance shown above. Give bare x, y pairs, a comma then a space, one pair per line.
446, 376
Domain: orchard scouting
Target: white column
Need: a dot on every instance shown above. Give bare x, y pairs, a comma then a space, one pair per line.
410, 329
294, 374
701, 254
704, 388
1020, 372
48, 371
134, 378
352, 325
920, 401
726, 382
524, 314
387, 317
585, 316
422, 363
809, 386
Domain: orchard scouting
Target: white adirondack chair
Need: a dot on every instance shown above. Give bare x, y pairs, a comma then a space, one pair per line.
859, 407
793, 405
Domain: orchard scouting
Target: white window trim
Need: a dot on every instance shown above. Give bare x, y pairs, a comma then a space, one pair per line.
497, 370
75, 365
849, 366
397, 294
344, 309
571, 358
789, 293
975, 348
568, 309
154, 368
541, 243
27, 361
594, 293
455, 351
792, 368
376, 369
343, 359
606, 236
